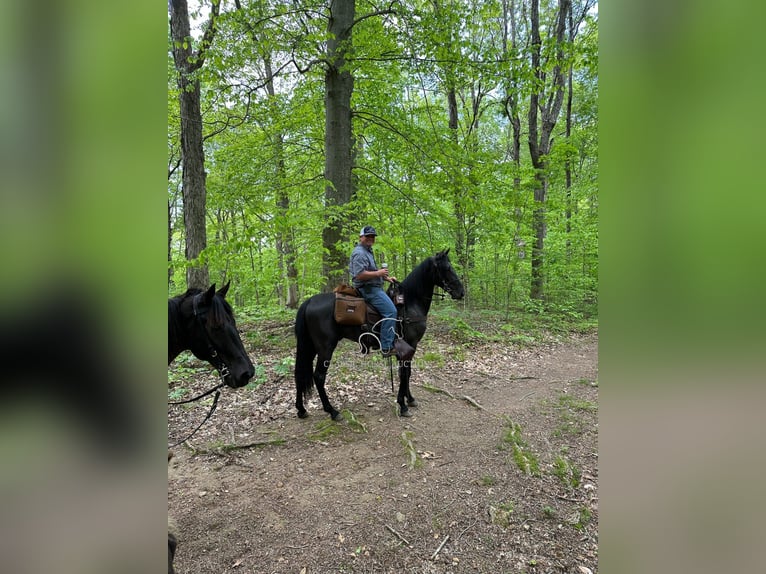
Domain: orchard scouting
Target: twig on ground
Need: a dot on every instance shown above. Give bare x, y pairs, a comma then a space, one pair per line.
435, 389
473, 402
399, 536
466, 529
227, 448
433, 556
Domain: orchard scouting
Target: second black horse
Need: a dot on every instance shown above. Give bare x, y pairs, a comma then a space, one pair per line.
318, 333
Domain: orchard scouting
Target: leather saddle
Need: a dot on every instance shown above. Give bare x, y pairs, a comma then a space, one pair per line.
352, 309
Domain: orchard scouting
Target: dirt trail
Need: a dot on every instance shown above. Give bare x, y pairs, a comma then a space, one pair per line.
441, 492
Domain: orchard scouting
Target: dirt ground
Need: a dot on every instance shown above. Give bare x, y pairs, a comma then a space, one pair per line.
496, 472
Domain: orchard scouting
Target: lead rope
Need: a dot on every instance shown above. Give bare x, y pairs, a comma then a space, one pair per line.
209, 414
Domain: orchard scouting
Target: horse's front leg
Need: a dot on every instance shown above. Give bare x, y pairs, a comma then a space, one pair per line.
405, 370
320, 375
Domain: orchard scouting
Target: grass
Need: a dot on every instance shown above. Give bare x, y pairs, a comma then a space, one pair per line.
522, 325
487, 480
500, 514
259, 377
573, 403
186, 367
570, 409
523, 456
325, 429
413, 459
431, 357
353, 422
584, 518
178, 393
328, 428
566, 472
285, 366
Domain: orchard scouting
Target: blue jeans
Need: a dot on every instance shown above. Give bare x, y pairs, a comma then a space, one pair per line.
382, 302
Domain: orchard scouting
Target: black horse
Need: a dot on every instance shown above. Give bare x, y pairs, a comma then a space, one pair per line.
318, 333
203, 322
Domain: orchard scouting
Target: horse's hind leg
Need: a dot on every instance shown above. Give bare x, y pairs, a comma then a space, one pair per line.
320, 375
299, 401
405, 370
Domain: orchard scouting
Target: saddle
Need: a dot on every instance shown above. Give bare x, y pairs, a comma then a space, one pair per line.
351, 309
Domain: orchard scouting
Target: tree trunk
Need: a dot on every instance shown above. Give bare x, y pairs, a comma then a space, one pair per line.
193, 181
568, 163
339, 145
170, 244
540, 137
288, 273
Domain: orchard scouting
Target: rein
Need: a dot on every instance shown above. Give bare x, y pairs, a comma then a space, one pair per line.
223, 372
209, 414
217, 392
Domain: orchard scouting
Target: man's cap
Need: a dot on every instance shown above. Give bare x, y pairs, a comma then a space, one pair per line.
367, 230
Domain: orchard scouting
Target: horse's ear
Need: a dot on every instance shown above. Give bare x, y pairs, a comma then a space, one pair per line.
446, 251
225, 289
209, 294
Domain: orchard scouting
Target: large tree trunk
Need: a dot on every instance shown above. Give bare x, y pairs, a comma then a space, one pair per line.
549, 106
193, 181
339, 145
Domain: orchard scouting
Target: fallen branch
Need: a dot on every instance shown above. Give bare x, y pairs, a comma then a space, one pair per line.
226, 448
399, 536
435, 389
467, 528
433, 556
473, 402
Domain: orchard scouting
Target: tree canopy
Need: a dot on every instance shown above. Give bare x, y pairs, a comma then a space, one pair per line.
444, 95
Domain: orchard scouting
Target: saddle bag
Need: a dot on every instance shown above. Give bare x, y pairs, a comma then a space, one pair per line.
350, 309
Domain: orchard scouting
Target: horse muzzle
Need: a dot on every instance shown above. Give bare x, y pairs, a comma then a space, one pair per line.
457, 293
236, 378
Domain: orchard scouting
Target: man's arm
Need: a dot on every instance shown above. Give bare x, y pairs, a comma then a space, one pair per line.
367, 275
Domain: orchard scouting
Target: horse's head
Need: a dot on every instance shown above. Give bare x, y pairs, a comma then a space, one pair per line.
446, 278
224, 348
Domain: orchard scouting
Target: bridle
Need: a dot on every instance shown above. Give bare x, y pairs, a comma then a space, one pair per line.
449, 286
215, 360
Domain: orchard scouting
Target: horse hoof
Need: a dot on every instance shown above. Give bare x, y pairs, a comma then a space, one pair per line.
413, 403
337, 417
302, 414
405, 414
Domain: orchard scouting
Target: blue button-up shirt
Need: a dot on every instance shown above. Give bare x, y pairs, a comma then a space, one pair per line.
362, 259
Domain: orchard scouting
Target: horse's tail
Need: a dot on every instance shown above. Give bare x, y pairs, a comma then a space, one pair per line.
304, 354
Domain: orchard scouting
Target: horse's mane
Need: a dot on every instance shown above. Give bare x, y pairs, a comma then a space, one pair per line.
217, 314
414, 285
220, 311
